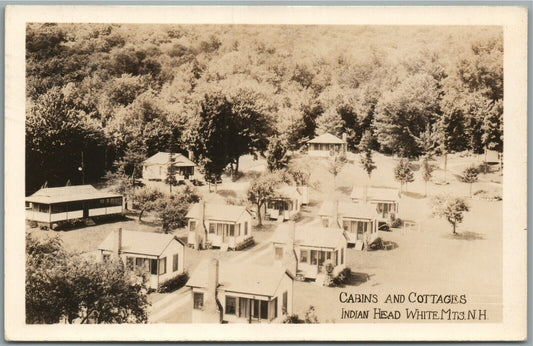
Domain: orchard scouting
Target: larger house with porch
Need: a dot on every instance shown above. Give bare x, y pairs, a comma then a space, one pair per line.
327, 145
237, 292
308, 250
385, 200
156, 167
54, 206
359, 221
158, 255
219, 225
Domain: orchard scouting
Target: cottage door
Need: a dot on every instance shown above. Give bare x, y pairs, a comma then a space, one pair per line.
360, 230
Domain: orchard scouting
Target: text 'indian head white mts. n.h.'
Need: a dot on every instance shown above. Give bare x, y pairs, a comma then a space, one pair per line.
273, 173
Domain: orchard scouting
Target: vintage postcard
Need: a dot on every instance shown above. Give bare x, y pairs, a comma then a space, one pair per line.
265, 173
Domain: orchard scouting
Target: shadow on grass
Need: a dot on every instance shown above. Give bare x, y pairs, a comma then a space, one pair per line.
414, 195
470, 236
356, 279
227, 193
346, 190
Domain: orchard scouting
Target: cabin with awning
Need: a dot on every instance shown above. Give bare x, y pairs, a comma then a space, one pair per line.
385, 200
238, 292
219, 225
53, 206
312, 248
156, 167
359, 221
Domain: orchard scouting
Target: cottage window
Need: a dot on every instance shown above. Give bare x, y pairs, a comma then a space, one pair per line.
303, 256
328, 255
244, 307
212, 228
42, 208
345, 225
106, 257
279, 252
153, 266
285, 302
198, 299
192, 225
336, 258
129, 263
342, 256
264, 310
175, 262
162, 265
75, 206
313, 257
220, 229
231, 304
246, 228
232, 230
325, 222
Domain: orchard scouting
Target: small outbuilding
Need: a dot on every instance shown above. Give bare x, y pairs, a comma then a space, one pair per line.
158, 255
287, 203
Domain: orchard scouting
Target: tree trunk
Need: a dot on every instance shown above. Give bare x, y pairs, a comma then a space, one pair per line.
141, 214
259, 214
485, 161
445, 164
453, 225
237, 165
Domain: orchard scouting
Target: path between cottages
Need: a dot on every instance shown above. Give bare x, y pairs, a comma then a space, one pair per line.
253, 253
168, 304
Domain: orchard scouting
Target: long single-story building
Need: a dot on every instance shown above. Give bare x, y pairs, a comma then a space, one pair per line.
55, 205
359, 221
386, 200
226, 292
311, 249
157, 254
156, 167
327, 145
219, 225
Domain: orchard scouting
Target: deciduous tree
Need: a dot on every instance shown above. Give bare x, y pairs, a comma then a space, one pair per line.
450, 208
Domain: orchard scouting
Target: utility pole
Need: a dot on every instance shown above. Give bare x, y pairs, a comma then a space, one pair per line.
82, 169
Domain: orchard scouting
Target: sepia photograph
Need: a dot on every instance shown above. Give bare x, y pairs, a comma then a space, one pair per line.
182, 174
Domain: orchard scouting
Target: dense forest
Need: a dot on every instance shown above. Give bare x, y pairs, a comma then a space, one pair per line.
102, 97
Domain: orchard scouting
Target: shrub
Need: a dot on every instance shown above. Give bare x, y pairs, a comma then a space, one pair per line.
341, 278
173, 284
395, 222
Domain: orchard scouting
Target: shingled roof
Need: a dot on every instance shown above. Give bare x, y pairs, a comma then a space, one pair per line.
375, 193
68, 194
312, 236
241, 277
162, 158
217, 212
141, 243
327, 138
349, 210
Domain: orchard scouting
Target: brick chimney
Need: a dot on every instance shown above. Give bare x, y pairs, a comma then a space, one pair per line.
212, 311
200, 227
290, 260
190, 155
117, 242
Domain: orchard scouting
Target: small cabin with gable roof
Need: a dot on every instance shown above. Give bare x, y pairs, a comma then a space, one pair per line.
156, 167
219, 225
385, 200
158, 255
236, 292
327, 145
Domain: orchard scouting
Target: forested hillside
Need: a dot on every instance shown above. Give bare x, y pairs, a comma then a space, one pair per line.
115, 94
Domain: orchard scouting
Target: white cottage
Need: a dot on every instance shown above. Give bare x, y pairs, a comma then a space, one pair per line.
219, 225
157, 254
53, 206
327, 145
156, 167
226, 292
385, 200
308, 249
359, 221
286, 204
